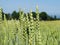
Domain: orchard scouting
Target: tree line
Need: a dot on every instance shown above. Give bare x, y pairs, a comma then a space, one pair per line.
42, 16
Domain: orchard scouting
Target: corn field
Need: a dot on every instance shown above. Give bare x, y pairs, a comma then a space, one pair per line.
29, 32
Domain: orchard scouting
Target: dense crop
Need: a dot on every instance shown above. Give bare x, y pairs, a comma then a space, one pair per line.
29, 32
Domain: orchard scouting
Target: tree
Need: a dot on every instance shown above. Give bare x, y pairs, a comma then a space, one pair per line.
43, 16
34, 14
55, 17
7, 16
2, 15
15, 15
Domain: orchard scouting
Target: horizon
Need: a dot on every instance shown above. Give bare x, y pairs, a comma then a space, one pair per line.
51, 7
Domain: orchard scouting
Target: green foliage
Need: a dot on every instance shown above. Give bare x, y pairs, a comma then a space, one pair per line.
43, 16
15, 15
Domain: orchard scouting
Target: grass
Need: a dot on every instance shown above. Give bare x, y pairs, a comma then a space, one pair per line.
11, 34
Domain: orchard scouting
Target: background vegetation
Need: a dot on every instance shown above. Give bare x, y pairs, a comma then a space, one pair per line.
42, 16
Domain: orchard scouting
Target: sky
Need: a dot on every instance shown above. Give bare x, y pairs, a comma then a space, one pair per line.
52, 7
